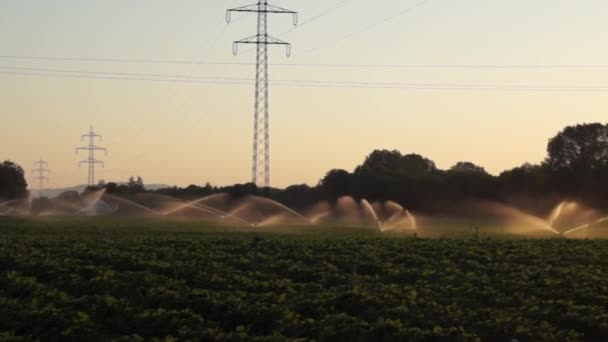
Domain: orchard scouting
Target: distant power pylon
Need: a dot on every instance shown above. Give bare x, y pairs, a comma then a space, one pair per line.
41, 175
261, 129
91, 148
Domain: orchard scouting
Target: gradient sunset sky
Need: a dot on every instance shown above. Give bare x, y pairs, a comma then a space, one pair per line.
526, 69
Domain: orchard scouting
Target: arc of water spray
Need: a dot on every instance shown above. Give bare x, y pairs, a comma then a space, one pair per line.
271, 220
399, 217
368, 207
585, 226
556, 213
5, 204
280, 205
412, 219
190, 204
536, 221
318, 217
119, 199
97, 196
11, 209
395, 216
198, 205
222, 214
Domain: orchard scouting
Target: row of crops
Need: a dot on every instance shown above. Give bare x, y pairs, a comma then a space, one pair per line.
96, 284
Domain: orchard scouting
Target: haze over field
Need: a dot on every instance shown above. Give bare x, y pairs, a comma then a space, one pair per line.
184, 132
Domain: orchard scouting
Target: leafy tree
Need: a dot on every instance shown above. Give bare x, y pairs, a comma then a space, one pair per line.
111, 188
578, 159
580, 147
576, 168
12, 181
529, 186
410, 179
467, 167
467, 180
336, 183
136, 185
528, 177
41, 204
392, 165
297, 196
240, 190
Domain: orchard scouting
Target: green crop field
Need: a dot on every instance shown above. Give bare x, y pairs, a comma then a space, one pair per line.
101, 279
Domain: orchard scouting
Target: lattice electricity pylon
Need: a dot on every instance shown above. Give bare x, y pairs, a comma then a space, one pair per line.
41, 175
91, 148
261, 129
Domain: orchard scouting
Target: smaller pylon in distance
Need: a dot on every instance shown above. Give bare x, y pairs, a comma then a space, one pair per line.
41, 175
91, 161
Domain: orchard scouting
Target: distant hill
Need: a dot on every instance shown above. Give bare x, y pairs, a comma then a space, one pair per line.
52, 193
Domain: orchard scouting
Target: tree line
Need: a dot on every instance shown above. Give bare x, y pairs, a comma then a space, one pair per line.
575, 168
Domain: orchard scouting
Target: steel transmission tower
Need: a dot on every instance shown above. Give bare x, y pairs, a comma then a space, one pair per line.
41, 173
91, 148
261, 129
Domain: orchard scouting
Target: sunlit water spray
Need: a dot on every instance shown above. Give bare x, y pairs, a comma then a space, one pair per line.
586, 226
369, 210
6, 207
133, 204
277, 205
197, 203
317, 218
556, 213
412, 219
564, 219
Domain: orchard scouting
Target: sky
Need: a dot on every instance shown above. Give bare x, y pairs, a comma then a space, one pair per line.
486, 81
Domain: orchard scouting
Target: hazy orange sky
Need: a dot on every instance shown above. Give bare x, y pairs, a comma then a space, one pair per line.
188, 132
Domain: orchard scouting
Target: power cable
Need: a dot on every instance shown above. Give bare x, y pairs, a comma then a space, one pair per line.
324, 65
330, 84
371, 26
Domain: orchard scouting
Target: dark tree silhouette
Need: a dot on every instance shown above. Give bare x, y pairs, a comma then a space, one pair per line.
466, 180
578, 159
297, 196
135, 185
576, 168
337, 183
580, 147
410, 179
384, 165
467, 167
12, 181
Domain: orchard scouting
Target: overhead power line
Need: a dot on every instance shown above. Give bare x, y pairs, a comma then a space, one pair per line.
116, 60
121, 73
337, 84
321, 65
372, 25
321, 15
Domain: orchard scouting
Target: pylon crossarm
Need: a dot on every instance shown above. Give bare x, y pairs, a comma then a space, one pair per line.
247, 8
260, 9
97, 148
263, 40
